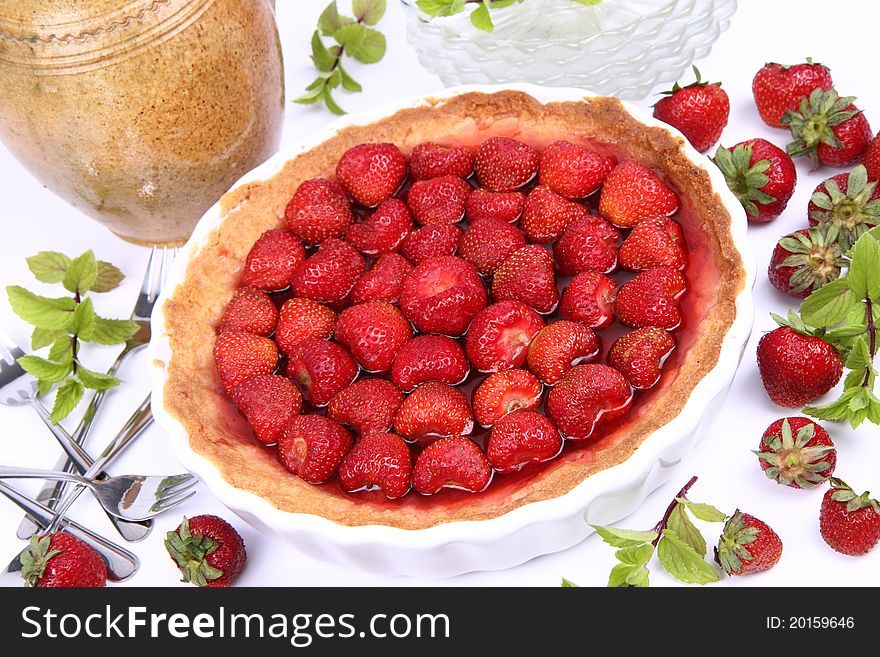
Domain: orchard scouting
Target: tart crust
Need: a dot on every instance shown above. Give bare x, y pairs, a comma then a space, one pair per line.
216, 431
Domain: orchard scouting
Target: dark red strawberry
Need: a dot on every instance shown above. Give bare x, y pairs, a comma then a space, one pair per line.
504, 206
761, 175
382, 282
442, 295
433, 161
383, 231
272, 260
378, 460
559, 347
828, 128
653, 242
374, 332
438, 201
700, 111
804, 261
430, 242
500, 334
871, 159
503, 164
796, 368
633, 192
651, 299
321, 369
847, 203
747, 545
329, 274
371, 172
797, 452
268, 402
547, 214
207, 550
505, 392
520, 438
249, 311
60, 560
300, 319
318, 211
639, 355
486, 243
587, 396
589, 298
367, 405
312, 447
455, 462
777, 87
434, 409
429, 358
571, 170
527, 275
238, 356
588, 244
849, 523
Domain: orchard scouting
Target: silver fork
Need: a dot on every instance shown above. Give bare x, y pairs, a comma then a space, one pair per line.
51, 492
132, 497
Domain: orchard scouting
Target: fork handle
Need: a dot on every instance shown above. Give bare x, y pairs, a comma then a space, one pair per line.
12, 472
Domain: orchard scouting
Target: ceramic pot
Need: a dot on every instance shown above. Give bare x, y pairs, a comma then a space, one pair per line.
140, 113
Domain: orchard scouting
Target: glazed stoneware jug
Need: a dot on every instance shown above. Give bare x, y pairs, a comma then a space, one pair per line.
140, 113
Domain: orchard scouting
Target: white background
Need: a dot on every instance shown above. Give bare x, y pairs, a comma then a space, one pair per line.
33, 219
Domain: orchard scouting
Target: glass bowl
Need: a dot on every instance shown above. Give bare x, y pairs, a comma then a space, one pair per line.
620, 48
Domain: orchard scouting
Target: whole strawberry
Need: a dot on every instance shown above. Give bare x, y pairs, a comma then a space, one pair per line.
272, 260
431, 160
588, 244
633, 192
527, 275
796, 368
238, 356
504, 206
438, 200
434, 409
208, 551
778, 87
747, 545
828, 128
700, 111
367, 405
60, 560
654, 242
639, 355
520, 438
761, 175
321, 369
871, 159
429, 358
432, 241
547, 214
318, 211
383, 231
300, 319
382, 282
249, 311
486, 244
378, 460
849, 523
585, 397
371, 173
847, 203
268, 402
455, 462
503, 164
374, 332
797, 452
329, 274
804, 261
651, 299
313, 446
571, 170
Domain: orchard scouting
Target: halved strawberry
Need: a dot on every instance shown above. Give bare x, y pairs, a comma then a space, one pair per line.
527, 275
268, 402
272, 260
571, 170
587, 396
651, 299
653, 242
329, 274
434, 409
455, 462
374, 332
238, 356
520, 438
249, 311
588, 244
547, 214
503, 164
313, 447
429, 358
438, 201
378, 460
633, 192
319, 210
367, 405
382, 282
589, 298
429, 242
560, 346
300, 319
500, 334
383, 231
486, 243
431, 160
321, 369
639, 355
442, 295
371, 172
505, 392
504, 206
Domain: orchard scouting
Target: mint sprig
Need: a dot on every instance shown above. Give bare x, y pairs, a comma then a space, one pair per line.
63, 323
353, 39
481, 17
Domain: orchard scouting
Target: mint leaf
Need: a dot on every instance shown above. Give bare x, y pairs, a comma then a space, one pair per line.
369, 12
96, 381
568, 584
863, 276
43, 387
681, 525
323, 58
49, 266
682, 562
82, 321
363, 43
81, 274
638, 577
329, 21
836, 411
44, 337
314, 92
348, 82
481, 19
46, 370
635, 556
68, 396
620, 574
327, 97
113, 331
109, 277
62, 350
623, 538
704, 512
42, 312
830, 304
436, 8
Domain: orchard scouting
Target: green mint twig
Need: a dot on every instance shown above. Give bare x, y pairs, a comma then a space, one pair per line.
62, 323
